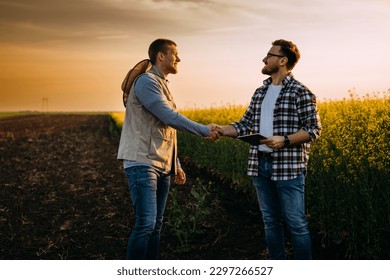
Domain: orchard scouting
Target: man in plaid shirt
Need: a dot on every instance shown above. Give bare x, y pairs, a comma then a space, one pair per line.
285, 112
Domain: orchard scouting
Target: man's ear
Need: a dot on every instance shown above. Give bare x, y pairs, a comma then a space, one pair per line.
160, 56
284, 61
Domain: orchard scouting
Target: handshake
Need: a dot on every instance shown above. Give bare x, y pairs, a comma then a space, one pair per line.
273, 142
215, 132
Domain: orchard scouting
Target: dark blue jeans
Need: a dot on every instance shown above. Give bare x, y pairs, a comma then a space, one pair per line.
149, 192
283, 201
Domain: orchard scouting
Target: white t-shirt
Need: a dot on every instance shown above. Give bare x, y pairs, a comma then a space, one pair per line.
267, 114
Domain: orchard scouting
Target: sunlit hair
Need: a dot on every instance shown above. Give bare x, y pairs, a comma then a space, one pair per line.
159, 45
290, 50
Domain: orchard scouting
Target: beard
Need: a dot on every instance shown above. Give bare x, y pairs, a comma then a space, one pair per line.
269, 70
172, 69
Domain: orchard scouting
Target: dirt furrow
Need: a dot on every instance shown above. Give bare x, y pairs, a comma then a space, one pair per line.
63, 195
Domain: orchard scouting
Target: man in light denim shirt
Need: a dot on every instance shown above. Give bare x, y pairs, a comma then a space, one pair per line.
148, 147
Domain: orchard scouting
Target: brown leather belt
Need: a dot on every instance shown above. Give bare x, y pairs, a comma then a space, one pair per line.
265, 154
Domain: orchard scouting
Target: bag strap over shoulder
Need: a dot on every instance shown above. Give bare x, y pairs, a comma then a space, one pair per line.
138, 69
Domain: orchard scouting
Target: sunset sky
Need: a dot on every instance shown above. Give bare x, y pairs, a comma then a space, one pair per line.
75, 53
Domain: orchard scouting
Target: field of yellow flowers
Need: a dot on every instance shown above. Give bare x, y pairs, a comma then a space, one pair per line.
348, 192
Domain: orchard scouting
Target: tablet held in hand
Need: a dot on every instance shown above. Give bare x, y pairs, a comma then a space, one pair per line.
253, 139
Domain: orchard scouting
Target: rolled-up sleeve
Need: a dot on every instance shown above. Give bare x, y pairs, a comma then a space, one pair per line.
309, 115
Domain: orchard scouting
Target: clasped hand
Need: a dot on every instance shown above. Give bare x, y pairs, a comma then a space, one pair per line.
215, 132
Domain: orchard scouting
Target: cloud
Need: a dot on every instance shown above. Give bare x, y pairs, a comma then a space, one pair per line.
48, 21
44, 21
85, 23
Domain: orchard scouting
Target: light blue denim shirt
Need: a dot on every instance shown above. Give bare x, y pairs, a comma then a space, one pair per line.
148, 93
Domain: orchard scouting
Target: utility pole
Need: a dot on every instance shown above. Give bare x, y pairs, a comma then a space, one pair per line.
45, 104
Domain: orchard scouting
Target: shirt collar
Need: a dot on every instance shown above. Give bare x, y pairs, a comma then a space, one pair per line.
157, 71
285, 81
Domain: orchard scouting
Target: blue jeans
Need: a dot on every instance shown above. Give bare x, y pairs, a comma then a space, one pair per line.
149, 192
282, 201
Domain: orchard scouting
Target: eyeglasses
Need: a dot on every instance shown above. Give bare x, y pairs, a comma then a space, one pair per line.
272, 54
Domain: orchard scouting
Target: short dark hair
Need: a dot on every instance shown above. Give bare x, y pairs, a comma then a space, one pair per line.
159, 45
290, 50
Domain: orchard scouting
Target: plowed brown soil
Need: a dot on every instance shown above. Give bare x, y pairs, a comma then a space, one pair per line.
63, 195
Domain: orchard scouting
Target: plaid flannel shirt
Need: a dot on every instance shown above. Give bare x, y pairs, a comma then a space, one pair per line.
295, 109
